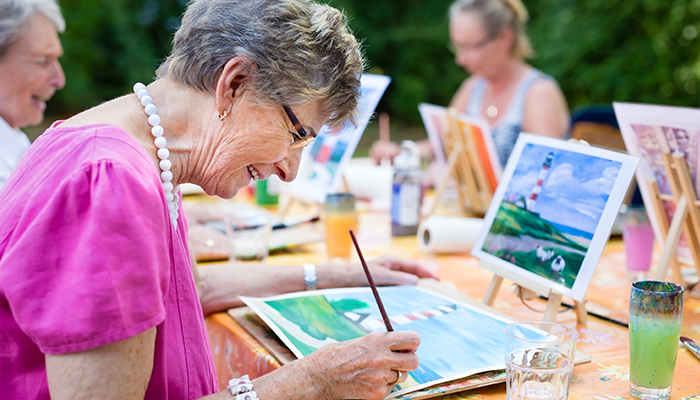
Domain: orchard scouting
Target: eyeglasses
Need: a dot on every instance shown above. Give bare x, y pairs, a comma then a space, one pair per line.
301, 138
456, 49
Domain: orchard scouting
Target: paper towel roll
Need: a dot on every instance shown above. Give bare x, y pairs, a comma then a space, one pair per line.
441, 234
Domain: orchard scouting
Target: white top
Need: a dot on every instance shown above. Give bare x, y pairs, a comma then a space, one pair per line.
13, 144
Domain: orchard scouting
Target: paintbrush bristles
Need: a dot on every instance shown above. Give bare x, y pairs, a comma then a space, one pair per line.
387, 322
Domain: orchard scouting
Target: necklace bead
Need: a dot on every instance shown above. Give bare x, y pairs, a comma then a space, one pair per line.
150, 109
171, 192
492, 111
153, 119
163, 153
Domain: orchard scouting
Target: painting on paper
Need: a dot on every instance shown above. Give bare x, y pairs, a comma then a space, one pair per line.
457, 340
553, 211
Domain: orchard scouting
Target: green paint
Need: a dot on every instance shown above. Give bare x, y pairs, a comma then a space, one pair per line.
653, 350
317, 318
512, 220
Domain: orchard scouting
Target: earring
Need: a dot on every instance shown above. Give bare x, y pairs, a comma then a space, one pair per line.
222, 117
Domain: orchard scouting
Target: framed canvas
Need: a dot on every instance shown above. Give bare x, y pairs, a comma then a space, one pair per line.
435, 121
306, 321
649, 131
552, 214
322, 163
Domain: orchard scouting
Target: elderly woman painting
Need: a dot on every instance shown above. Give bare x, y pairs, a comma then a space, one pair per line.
98, 298
29, 71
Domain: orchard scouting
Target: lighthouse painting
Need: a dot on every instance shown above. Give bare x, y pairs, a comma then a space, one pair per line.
540, 180
565, 194
556, 202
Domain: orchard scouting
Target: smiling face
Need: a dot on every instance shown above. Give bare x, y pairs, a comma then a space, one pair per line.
30, 73
476, 52
254, 142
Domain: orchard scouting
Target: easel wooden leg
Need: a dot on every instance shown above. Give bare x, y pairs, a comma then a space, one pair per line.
550, 314
490, 295
674, 234
284, 208
692, 227
444, 179
581, 313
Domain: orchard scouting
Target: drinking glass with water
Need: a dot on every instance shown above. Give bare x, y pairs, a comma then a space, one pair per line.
539, 360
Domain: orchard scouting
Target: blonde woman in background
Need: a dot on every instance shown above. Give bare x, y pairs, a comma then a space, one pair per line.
490, 43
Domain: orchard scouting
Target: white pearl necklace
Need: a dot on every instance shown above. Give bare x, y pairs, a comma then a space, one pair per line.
172, 194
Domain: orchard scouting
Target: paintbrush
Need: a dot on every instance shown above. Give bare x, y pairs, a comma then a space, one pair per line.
691, 345
389, 328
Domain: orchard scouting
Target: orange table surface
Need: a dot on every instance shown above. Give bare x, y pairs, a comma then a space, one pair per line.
606, 378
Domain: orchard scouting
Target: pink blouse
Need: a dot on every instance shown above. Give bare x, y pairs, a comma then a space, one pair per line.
88, 257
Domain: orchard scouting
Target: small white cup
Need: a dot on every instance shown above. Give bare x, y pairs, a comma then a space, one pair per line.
248, 243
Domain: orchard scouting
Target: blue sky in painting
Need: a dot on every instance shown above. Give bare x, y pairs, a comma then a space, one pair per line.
451, 344
575, 191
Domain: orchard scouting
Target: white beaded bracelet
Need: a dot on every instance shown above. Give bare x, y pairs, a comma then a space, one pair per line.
242, 388
310, 276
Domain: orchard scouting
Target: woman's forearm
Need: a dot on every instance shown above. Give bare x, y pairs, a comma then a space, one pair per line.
221, 284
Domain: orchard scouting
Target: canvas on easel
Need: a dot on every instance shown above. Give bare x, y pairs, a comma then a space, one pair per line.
464, 146
667, 139
551, 216
322, 164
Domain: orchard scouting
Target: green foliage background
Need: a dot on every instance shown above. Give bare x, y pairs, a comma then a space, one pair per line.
599, 50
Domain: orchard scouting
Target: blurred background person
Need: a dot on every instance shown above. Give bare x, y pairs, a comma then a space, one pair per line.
29, 71
98, 296
489, 41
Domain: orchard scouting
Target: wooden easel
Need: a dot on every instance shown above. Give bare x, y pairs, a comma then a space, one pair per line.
686, 218
528, 288
464, 168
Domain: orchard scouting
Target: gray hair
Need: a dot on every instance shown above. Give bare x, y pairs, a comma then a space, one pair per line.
302, 51
498, 15
15, 13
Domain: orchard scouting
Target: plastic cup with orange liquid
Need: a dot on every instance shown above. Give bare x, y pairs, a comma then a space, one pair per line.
340, 218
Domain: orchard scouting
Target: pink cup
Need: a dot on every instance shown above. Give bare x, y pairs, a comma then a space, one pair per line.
639, 239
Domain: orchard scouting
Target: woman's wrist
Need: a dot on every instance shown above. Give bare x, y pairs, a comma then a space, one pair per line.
333, 276
294, 381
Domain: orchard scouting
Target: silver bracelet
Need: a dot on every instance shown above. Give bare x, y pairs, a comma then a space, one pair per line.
242, 388
310, 276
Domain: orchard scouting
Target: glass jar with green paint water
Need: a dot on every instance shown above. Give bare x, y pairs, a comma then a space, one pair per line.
655, 316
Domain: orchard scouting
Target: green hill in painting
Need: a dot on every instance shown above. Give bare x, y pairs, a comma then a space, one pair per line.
512, 220
318, 318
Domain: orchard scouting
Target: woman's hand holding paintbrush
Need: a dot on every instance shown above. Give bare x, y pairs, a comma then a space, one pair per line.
401, 377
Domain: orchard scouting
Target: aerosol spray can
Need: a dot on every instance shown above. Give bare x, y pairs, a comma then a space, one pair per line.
406, 191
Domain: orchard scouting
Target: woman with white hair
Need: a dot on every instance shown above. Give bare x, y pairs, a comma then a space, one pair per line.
29, 71
98, 297
489, 41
